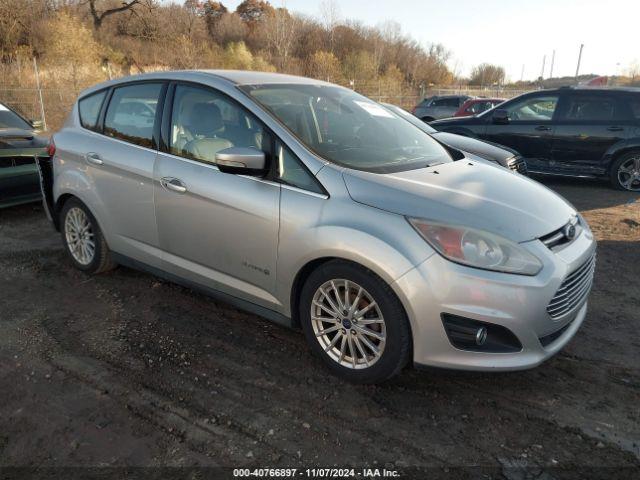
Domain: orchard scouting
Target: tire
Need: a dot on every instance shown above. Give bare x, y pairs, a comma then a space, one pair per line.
623, 162
90, 260
427, 119
360, 365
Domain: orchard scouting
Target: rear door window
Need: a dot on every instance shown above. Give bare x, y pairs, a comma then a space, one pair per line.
89, 109
447, 102
131, 113
593, 108
634, 105
479, 107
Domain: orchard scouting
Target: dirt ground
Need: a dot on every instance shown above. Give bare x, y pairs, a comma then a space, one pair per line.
124, 369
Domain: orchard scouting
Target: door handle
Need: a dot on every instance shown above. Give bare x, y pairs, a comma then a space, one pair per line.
615, 129
543, 128
94, 158
173, 184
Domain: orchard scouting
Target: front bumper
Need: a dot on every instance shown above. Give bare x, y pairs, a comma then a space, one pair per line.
515, 302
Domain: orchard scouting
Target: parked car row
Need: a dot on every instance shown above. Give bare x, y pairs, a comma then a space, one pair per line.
318, 208
444, 106
579, 132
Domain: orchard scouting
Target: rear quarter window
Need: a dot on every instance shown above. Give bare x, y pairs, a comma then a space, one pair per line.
89, 109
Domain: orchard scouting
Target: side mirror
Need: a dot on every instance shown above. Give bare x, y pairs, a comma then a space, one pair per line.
37, 124
241, 161
500, 117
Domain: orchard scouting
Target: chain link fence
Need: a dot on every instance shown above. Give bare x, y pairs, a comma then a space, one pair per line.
408, 97
52, 105
48, 105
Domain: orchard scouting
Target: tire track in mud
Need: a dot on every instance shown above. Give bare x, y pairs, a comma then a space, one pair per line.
126, 332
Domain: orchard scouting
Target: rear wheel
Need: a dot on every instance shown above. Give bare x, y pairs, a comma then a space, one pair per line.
355, 323
625, 172
83, 239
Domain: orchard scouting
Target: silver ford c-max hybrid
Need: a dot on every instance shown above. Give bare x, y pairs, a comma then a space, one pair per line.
313, 206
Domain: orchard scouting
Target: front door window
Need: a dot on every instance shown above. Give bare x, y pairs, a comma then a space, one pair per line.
533, 109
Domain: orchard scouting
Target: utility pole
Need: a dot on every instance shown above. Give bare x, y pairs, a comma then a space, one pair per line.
522, 73
35, 68
579, 59
553, 60
544, 61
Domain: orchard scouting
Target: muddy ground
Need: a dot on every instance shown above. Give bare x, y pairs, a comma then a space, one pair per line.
124, 369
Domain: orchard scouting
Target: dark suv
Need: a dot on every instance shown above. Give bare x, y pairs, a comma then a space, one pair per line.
581, 132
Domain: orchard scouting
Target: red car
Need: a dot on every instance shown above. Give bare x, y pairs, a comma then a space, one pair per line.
475, 106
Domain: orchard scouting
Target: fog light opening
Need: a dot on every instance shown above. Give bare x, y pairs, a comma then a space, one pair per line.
476, 336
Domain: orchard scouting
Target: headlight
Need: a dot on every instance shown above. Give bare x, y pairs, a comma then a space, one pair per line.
585, 226
477, 248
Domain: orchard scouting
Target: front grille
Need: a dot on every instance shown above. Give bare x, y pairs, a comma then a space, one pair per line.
558, 238
573, 289
517, 164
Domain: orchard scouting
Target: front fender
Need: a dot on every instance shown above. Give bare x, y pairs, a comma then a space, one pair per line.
388, 261
314, 228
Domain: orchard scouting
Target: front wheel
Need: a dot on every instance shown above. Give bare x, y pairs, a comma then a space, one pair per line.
353, 320
625, 172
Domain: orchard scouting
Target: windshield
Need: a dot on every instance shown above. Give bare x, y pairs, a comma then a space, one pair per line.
349, 129
410, 118
10, 119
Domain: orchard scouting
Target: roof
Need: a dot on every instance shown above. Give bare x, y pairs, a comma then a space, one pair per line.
245, 77
235, 77
486, 99
599, 88
456, 95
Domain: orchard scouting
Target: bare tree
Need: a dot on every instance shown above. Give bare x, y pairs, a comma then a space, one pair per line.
280, 30
98, 17
330, 16
487, 74
634, 70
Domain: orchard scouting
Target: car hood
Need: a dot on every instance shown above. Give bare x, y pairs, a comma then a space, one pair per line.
455, 121
18, 139
483, 149
465, 193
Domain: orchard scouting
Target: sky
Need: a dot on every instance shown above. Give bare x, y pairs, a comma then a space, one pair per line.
510, 33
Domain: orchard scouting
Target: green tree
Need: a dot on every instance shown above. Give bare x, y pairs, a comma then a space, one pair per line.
324, 66
359, 66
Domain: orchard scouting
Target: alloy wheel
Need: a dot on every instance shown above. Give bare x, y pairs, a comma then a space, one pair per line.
629, 174
348, 324
79, 236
